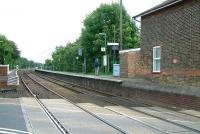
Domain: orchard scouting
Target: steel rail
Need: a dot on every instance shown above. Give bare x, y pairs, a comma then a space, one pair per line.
166, 120
107, 94
45, 109
85, 110
143, 123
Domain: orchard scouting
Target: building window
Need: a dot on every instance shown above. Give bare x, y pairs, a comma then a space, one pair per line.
156, 58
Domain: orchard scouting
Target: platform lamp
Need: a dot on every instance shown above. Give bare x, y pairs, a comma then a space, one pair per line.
104, 34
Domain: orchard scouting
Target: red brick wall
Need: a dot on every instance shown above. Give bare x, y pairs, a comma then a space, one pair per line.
124, 65
136, 64
3, 70
3, 84
179, 76
176, 30
3, 76
132, 64
164, 99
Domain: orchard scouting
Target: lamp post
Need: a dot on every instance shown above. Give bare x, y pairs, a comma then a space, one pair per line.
104, 34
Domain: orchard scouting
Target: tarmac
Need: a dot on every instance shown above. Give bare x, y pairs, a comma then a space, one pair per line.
36, 119
11, 117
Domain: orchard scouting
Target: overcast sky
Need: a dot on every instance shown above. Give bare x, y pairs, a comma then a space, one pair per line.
38, 26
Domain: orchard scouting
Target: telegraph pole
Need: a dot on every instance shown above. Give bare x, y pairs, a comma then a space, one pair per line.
121, 28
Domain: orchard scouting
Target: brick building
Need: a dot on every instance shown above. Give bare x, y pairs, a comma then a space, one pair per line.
170, 44
4, 69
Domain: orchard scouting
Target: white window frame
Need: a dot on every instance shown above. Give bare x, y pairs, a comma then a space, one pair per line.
156, 58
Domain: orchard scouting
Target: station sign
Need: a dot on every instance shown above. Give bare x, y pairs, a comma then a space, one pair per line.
80, 51
103, 49
113, 44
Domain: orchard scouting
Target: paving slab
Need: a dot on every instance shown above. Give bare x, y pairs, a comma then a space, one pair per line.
11, 116
36, 119
75, 120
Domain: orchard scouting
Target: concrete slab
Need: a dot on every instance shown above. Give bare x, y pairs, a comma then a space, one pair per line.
173, 116
149, 120
192, 112
75, 120
11, 116
125, 123
180, 114
36, 119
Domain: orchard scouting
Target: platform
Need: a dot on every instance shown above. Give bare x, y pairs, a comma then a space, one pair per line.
106, 78
139, 83
136, 88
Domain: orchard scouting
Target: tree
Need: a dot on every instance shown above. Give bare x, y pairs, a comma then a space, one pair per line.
48, 64
105, 19
64, 58
9, 54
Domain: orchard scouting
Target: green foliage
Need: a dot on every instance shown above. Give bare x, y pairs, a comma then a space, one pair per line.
8, 51
9, 54
48, 64
24, 63
64, 58
104, 19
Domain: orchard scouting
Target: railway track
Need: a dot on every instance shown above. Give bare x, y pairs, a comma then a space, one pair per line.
86, 90
45, 109
37, 95
156, 130
58, 82
72, 85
